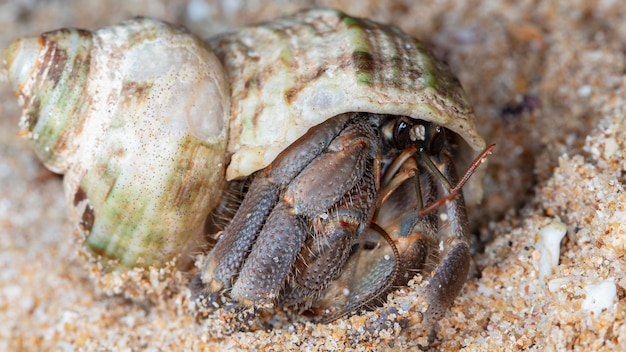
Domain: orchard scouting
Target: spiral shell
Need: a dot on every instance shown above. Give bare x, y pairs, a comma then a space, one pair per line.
294, 73
135, 116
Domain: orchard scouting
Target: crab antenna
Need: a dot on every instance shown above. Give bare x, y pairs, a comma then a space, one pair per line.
418, 190
472, 167
453, 190
433, 169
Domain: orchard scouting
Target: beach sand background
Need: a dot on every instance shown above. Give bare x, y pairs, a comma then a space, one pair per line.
548, 83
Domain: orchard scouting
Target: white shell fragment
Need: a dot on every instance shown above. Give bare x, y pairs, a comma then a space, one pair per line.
549, 246
600, 296
135, 116
610, 147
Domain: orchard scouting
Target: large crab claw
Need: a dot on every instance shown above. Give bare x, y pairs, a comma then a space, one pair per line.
293, 232
408, 236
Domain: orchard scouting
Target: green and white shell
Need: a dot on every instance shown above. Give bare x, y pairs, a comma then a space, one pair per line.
294, 73
136, 117
146, 122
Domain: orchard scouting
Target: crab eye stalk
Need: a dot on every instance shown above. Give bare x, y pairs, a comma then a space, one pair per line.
402, 133
408, 132
437, 141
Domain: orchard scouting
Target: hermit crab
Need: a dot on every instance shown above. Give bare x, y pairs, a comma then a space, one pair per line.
346, 134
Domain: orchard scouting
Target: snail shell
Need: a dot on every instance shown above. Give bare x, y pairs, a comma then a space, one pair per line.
135, 116
292, 74
141, 119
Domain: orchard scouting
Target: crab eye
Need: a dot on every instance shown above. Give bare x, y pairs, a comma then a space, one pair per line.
437, 141
402, 134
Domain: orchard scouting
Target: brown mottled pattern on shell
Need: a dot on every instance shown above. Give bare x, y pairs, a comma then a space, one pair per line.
52, 53
293, 73
87, 220
62, 68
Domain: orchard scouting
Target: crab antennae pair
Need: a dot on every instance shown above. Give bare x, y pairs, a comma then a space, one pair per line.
395, 177
453, 190
392, 179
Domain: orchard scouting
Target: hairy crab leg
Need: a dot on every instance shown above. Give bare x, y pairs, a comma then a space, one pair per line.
448, 277
270, 260
376, 286
335, 193
235, 242
232, 247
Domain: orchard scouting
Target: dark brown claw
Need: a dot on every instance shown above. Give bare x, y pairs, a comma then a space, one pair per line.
438, 231
290, 202
271, 258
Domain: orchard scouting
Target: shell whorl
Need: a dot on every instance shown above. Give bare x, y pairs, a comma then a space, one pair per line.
294, 73
136, 117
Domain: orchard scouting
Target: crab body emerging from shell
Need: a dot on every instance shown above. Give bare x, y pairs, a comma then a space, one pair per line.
314, 214
148, 123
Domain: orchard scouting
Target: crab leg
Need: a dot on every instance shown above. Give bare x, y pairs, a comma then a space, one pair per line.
449, 220
235, 243
450, 274
264, 272
324, 254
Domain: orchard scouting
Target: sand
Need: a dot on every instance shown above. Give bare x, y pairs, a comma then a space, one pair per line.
547, 80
